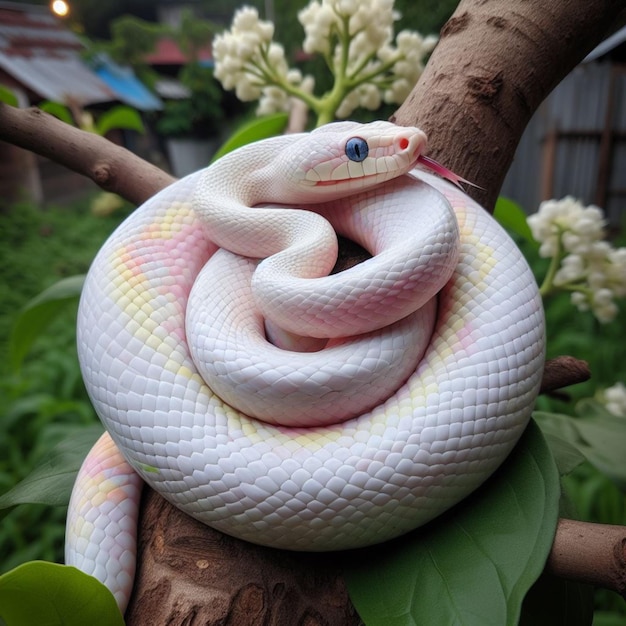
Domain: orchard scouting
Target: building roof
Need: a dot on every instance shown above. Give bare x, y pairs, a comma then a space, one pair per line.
128, 88
167, 52
40, 53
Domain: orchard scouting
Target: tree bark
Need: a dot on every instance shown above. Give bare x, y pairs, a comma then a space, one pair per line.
495, 63
110, 166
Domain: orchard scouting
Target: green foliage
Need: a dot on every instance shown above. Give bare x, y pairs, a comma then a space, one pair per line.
255, 130
200, 114
46, 400
193, 34
37, 315
60, 111
47, 593
8, 96
595, 433
117, 117
474, 564
52, 479
132, 39
512, 217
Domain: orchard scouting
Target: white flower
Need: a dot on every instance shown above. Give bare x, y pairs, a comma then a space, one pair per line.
590, 267
248, 61
273, 100
572, 269
615, 399
355, 36
602, 305
567, 220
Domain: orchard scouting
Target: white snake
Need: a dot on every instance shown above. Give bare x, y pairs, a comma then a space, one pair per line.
431, 360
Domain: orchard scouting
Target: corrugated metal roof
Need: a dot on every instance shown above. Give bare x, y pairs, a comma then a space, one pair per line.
60, 79
37, 50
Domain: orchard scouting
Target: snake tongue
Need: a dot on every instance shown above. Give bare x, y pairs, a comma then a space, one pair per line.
443, 171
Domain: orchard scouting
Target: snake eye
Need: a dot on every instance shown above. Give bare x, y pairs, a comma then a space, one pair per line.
357, 149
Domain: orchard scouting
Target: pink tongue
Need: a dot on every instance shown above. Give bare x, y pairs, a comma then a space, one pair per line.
442, 171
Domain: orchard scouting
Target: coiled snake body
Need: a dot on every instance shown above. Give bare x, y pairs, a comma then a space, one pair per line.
387, 392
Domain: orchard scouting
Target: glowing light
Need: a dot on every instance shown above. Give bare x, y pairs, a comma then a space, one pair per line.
60, 8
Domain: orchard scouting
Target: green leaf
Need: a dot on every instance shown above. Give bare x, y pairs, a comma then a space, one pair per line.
597, 434
608, 618
512, 217
52, 480
261, 128
49, 594
119, 117
473, 565
59, 111
36, 316
566, 455
8, 96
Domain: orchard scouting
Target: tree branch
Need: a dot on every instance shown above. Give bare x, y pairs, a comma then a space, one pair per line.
494, 65
590, 553
110, 166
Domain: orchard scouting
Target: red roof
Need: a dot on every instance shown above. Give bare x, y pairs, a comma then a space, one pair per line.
167, 52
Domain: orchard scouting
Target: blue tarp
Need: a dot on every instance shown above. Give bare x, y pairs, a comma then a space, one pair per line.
128, 88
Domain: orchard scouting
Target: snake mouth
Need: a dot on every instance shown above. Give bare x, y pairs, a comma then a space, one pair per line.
382, 169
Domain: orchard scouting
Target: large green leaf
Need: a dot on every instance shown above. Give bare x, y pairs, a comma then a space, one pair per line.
511, 215
597, 434
261, 128
473, 565
52, 480
8, 96
36, 316
123, 117
48, 594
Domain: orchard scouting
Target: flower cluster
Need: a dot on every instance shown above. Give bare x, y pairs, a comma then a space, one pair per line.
356, 41
248, 61
614, 399
583, 262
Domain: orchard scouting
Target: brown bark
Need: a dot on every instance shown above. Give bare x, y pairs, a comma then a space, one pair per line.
192, 574
590, 553
495, 63
111, 167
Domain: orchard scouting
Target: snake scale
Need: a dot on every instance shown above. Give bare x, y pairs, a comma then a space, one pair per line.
283, 404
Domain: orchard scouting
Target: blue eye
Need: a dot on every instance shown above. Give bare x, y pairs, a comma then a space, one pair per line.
357, 149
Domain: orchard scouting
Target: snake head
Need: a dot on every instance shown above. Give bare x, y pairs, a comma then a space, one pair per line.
341, 158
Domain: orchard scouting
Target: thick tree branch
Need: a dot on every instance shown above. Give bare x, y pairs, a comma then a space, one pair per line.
495, 63
111, 167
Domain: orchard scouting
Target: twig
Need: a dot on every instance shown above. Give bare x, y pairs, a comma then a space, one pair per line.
590, 553
563, 371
